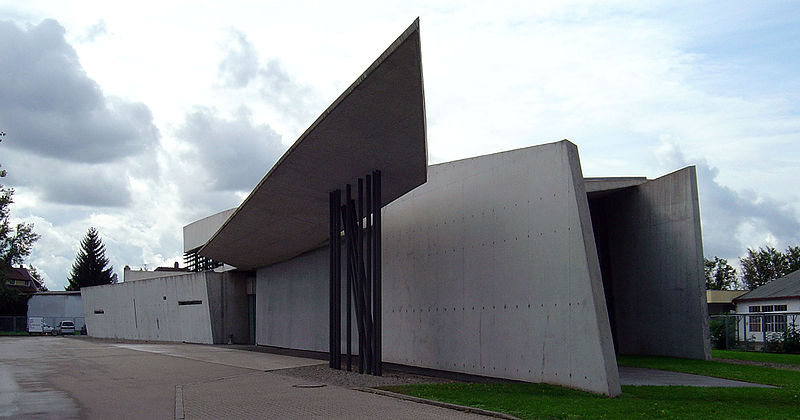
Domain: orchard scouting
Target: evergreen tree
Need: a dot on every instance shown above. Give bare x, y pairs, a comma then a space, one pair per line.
89, 268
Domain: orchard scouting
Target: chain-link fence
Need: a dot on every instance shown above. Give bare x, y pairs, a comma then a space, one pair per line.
13, 323
773, 332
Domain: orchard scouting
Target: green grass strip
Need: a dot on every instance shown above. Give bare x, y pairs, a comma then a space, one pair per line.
747, 373
541, 401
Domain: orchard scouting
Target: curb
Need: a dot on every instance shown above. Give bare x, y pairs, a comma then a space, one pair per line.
463, 408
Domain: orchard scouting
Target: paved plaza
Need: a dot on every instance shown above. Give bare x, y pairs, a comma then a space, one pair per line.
70, 378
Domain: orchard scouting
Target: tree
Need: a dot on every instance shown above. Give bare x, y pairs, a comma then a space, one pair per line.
16, 243
38, 277
762, 266
792, 255
719, 274
91, 265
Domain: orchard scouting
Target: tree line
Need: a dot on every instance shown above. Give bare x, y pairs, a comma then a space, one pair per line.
759, 267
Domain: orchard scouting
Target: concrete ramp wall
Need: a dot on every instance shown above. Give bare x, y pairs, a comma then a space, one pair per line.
652, 252
490, 269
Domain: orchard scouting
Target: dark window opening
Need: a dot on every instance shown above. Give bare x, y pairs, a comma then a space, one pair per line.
190, 302
99, 311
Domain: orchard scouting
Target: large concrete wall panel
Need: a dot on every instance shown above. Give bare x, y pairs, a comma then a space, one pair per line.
173, 308
490, 269
292, 303
655, 267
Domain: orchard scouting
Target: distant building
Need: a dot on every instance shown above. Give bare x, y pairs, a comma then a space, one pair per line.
53, 307
129, 274
20, 279
771, 308
720, 302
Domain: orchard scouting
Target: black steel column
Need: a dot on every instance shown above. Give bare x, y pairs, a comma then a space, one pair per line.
331, 283
376, 273
335, 334
368, 210
360, 219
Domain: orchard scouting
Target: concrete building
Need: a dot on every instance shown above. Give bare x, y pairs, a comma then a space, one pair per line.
510, 265
53, 307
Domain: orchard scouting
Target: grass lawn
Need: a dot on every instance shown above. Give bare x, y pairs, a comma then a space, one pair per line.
539, 401
786, 359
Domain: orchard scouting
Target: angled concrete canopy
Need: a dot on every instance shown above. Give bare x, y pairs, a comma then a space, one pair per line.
378, 123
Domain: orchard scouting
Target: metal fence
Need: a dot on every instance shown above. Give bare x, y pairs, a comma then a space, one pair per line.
20, 323
754, 331
13, 323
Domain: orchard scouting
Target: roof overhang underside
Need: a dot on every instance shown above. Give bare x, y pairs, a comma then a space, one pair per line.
378, 123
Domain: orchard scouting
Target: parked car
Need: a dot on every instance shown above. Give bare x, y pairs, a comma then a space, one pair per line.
47, 330
65, 327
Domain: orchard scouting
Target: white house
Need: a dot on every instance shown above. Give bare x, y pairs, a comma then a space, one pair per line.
770, 309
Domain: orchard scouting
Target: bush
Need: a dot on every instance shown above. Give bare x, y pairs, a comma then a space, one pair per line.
787, 341
718, 339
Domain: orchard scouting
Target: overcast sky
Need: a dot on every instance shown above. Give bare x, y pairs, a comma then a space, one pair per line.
141, 117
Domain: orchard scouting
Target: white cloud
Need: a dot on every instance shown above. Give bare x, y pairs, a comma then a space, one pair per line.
620, 79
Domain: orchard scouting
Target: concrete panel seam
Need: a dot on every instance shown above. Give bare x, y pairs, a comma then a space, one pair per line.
179, 412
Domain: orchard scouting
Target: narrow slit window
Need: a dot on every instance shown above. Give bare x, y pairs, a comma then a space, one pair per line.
189, 302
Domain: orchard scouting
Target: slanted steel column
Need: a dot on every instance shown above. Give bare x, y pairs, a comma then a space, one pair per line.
360, 219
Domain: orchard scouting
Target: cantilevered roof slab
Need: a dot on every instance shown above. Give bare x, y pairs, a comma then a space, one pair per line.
378, 123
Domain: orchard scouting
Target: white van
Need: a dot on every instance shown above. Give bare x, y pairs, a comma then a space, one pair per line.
35, 325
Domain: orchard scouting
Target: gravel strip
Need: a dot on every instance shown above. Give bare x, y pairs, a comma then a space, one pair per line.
324, 374
756, 363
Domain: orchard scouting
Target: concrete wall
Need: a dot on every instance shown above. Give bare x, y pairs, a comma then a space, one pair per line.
150, 309
227, 295
57, 307
490, 269
292, 303
652, 257
196, 234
